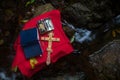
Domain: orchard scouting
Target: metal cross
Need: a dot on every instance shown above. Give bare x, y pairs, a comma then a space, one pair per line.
50, 39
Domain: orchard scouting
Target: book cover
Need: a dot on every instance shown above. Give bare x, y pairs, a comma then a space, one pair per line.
30, 43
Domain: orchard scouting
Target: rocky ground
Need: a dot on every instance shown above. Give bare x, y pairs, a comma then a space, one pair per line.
92, 26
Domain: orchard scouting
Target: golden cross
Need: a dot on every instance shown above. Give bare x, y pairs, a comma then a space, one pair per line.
49, 48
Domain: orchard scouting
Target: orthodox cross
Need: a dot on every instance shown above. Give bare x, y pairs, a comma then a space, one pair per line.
50, 39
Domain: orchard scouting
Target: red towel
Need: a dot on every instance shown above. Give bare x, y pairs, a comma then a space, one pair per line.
60, 49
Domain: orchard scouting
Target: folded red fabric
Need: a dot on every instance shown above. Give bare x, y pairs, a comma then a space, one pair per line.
60, 49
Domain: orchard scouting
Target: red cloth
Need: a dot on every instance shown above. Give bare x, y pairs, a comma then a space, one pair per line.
60, 49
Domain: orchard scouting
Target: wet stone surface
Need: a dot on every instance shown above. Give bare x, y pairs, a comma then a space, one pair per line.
106, 61
92, 26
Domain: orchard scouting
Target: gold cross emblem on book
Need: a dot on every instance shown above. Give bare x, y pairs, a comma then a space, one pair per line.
50, 39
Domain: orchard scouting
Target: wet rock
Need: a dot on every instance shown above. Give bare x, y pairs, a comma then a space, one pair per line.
4, 75
106, 61
76, 14
42, 9
89, 14
77, 76
93, 15
64, 76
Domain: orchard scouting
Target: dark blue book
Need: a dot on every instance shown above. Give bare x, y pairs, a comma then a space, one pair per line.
29, 40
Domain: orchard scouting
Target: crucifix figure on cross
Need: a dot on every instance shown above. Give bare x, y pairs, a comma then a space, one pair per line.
50, 39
